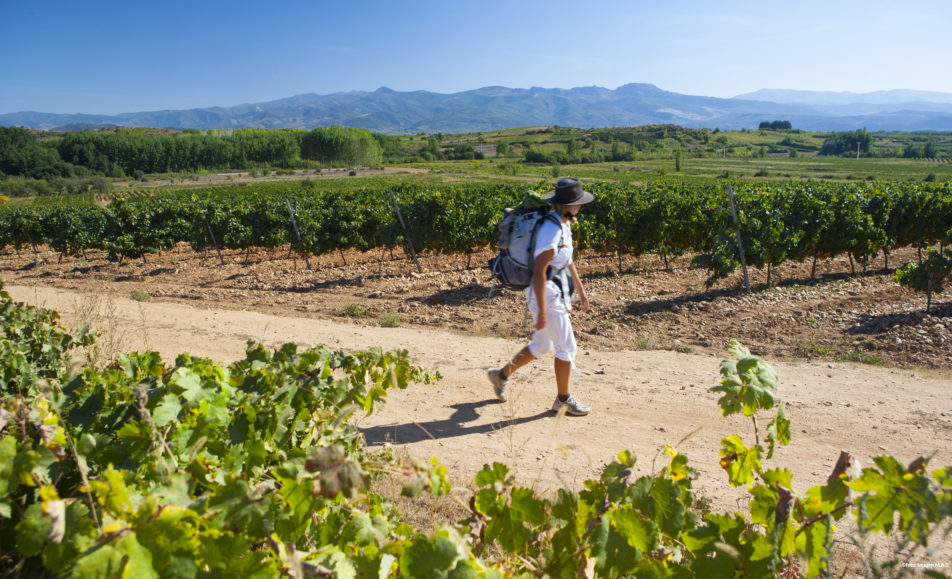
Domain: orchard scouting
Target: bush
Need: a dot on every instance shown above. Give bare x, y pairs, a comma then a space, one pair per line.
340, 145
140, 296
929, 275
389, 320
353, 311
775, 126
535, 156
845, 143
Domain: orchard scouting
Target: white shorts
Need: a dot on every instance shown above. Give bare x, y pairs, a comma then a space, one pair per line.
557, 334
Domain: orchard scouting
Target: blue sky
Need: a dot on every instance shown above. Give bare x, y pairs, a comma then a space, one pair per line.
109, 57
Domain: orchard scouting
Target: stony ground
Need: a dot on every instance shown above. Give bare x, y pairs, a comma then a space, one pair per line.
637, 304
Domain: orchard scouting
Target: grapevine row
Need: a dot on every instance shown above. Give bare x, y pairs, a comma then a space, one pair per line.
777, 222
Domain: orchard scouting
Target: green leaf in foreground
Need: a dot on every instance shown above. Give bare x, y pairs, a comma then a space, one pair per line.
740, 462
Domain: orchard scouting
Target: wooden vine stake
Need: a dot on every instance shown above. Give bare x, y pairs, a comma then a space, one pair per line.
380, 265
307, 263
218, 249
396, 206
740, 244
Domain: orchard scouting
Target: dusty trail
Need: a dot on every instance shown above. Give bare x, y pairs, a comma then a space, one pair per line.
641, 399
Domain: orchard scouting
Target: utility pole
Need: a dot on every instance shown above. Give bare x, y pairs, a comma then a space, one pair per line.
857, 150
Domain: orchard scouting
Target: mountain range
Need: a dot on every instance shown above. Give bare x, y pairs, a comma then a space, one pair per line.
496, 107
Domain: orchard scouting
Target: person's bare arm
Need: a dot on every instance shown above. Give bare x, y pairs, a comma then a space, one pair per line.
579, 288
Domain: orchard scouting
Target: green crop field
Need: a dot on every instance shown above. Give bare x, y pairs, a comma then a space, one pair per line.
52, 164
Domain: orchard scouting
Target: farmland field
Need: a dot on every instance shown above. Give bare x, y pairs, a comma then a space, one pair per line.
862, 366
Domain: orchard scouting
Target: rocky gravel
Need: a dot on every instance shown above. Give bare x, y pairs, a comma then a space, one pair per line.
862, 317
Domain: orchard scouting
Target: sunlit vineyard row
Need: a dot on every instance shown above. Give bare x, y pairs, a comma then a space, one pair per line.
777, 222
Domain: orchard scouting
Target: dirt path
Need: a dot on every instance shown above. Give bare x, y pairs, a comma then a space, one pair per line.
641, 398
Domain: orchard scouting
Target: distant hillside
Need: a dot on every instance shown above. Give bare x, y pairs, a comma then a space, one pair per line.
892, 98
493, 108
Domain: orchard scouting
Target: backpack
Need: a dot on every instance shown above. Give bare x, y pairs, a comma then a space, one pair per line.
512, 267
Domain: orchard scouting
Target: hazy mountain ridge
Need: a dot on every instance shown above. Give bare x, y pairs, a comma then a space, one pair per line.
497, 107
833, 98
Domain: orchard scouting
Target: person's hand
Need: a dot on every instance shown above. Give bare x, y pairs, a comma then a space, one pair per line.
540, 319
583, 303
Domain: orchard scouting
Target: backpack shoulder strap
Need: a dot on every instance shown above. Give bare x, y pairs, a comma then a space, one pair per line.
554, 218
550, 216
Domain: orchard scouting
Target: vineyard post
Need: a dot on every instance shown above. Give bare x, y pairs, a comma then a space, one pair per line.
404, 226
218, 249
740, 244
298, 233
36, 253
929, 286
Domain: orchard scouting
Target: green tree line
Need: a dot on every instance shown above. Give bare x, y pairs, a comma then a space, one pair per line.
846, 144
775, 126
21, 154
843, 143
117, 154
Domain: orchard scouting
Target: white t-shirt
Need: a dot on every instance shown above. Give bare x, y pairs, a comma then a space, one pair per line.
548, 237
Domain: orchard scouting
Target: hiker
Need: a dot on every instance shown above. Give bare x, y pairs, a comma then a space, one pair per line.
549, 299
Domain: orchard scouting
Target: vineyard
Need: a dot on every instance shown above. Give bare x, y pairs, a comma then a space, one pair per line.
778, 223
148, 468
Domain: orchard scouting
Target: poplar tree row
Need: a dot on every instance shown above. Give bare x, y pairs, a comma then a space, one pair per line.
121, 154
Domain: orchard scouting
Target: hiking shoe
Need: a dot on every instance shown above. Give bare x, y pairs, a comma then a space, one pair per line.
572, 406
500, 384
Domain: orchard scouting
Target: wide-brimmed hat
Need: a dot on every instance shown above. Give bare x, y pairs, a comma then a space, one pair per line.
568, 191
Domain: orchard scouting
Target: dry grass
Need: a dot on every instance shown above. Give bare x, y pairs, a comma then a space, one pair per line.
96, 308
877, 555
425, 512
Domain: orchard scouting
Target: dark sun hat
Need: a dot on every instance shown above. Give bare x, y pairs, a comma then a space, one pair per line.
568, 191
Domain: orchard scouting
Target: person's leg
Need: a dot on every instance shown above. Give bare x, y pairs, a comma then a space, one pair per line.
563, 372
565, 347
518, 361
499, 377
572, 405
541, 344
565, 350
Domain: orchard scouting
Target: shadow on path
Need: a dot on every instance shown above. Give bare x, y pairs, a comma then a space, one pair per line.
457, 424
